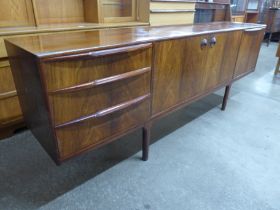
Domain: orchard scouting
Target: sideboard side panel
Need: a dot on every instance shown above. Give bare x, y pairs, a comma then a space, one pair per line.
31, 96
248, 52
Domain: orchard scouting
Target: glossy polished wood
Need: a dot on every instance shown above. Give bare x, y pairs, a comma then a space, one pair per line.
186, 69
32, 98
94, 87
73, 43
23, 17
249, 51
103, 81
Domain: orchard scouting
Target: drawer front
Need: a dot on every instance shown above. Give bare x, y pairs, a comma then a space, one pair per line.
93, 99
238, 19
70, 106
171, 5
6, 77
90, 133
10, 110
157, 19
3, 52
84, 68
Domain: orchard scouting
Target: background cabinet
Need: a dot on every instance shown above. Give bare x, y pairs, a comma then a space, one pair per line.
118, 10
171, 12
245, 10
10, 111
25, 17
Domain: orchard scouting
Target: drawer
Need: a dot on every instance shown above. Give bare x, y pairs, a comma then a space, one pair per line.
3, 52
6, 77
70, 105
171, 18
172, 5
65, 72
9, 110
92, 98
97, 131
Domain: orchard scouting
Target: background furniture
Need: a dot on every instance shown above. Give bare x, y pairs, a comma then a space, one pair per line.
272, 20
252, 11
212, 11
81, 90
245, 10
238, 8
26, 17
277, 69
171, 12
270, 15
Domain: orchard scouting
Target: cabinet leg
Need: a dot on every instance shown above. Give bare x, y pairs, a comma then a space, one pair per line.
269, 38
225, 99
146, 142
277, 67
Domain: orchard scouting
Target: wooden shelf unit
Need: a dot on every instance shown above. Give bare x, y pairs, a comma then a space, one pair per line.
28, 13
16, 13
171, 12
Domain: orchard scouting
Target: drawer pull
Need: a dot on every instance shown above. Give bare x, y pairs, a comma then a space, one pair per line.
102, 81
213, 41
100, 53
253, 29
8, 94
107, 111
203, 43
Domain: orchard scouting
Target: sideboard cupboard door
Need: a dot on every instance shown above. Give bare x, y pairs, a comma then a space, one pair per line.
202, 66
188, 68
169, 61
229, 57
221, 59
249, 51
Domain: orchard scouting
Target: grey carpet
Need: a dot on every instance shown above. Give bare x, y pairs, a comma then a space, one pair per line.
200, 159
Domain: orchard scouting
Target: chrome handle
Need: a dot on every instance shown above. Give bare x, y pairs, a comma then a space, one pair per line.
203, 43
213, 41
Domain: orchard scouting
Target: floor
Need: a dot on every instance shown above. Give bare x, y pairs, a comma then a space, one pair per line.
200, 159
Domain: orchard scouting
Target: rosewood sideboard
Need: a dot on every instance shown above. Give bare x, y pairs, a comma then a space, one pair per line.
81, 90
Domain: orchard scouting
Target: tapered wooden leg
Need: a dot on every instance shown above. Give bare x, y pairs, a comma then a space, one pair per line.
269, 38
225, 99
146, 142
277, 67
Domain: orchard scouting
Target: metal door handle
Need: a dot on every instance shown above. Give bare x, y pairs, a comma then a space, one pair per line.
213, 41
203, 43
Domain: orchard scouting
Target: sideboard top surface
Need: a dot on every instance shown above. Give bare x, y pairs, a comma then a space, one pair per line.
85, 41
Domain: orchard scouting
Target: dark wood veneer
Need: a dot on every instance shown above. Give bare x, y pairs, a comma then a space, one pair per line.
106, 112
80, 91
103, 81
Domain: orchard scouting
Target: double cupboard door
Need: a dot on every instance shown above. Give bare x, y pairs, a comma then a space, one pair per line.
190, 67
